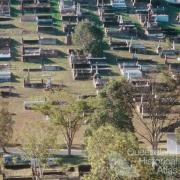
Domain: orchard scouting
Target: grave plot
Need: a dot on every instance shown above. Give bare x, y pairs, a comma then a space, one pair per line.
38, 12
47, 41
118, 44
30, 40
168, 54
70, 12
31, 54
174, 70
31, 6
98, 81
150, 17
176, 39
127, 26
130, 70
36, 39
139, 87
144, 65
5, 10
83, 66
137, 48
114, 4
41, 83
5, 73
5, 48
126, 29
109, 19
45, 23
44, 67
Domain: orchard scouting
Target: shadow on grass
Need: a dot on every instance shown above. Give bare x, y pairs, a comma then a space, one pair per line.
111, 59
7, 26
14, 45
14, 78
14, 12
55, 31
15, 2
71, 160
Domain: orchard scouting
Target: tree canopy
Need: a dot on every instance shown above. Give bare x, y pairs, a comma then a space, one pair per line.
67, 115
90, 37
109, 152
37, 143
112, 106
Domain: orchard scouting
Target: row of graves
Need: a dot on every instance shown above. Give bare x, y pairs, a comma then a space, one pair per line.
70, 14
169, 54
6, 77
37, 48
18, 167
151, 17
84, 66
116, 24
113, 4
129, 45
38, 11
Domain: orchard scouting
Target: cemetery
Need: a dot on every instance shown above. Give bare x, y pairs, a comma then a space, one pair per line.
38, 56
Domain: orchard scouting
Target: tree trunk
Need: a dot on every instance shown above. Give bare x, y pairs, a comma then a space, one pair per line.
154, 156
69, 147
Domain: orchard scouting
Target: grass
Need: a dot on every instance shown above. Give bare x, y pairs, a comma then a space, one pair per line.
16, 29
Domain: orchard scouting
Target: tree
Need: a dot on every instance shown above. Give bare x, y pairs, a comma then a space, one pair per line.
109, 153
90, 37
37, 143
111, 106
6, 126
68, 119
68, 116
157, 103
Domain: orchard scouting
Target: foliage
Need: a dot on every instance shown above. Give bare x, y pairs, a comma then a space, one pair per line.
109, 154
90, 37
37, 142
157, 106
112, 106
6, 126
67, 115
